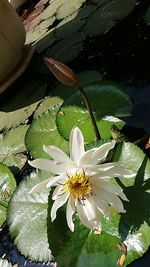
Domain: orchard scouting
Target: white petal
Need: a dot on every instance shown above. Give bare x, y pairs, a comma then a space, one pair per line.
56, 180
112, 199
97, 155
117, 204
39, 187
88, 214
76, 144
56, 153
118, 171
58, 191
102, 206
69, 213
99, 168
107, 186
59, 202
47, 165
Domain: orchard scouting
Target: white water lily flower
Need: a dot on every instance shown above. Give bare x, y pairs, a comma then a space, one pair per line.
82, 180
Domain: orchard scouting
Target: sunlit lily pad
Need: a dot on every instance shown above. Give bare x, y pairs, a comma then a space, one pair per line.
46, 104
131, 156
106, 98
69, 7
21, 105
61, 92
7, 187
27, 218
12, 147
5, 263
43, 131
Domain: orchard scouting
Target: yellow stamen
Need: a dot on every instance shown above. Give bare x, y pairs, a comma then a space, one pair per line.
121, 260
79, 186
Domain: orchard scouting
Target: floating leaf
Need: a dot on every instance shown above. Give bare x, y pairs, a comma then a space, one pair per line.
89, 76
131, 157
12, 146
68, 7
118, 9
61, 92
68, 27
5, 263
98, 24
7, 187
66, 49
106, 98
99, 2
133, 226
45, 40
147, 16
63, 18
50, 10
46, 104
27, 219
43, 131
34, 34
21, 105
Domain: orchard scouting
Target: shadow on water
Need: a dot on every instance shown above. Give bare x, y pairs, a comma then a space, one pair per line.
137, 209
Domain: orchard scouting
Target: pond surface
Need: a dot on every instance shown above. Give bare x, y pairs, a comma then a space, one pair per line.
121, 54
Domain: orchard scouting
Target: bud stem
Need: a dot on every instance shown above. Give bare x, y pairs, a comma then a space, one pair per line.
89, 108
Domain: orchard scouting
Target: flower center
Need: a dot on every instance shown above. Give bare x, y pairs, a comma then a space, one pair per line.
79, 186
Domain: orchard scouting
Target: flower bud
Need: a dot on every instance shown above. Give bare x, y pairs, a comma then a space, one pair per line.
62, 72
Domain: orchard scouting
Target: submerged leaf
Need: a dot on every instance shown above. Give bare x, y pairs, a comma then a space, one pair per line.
147, 16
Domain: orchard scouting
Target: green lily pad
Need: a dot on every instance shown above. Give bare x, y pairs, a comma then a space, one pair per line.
43, 131
63, 92
21, 105
98, 24
66, 28
131, 157
7, 187
46, 104
12, 147
133, 227
106, 98
27, 219
67, 48
87, 249
118, 9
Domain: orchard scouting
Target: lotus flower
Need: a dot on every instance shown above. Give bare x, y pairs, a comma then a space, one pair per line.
82, 181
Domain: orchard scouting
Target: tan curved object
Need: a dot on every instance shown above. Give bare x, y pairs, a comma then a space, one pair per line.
16, 3
14, 56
